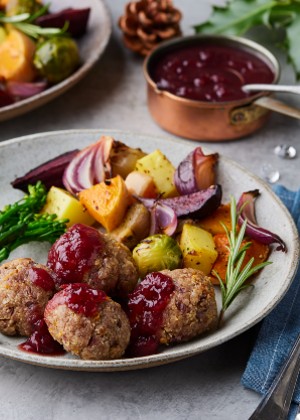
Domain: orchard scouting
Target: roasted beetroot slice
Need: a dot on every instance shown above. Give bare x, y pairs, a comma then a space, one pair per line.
50, 172
5, 98
197, 205
77, 19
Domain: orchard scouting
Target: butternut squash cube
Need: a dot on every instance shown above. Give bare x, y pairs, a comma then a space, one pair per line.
161, 170
16, 57
198, 248
107, 201
3, 3
65, 206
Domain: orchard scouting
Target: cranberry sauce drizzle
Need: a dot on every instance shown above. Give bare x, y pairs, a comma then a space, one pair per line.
41, 341
80, 298
145, 311
74, 253
211, 73
40, 277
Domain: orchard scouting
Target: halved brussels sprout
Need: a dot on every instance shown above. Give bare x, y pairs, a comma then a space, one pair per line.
57, 58
157, 252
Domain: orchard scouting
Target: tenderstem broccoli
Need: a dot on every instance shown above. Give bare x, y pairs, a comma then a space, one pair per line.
21, 222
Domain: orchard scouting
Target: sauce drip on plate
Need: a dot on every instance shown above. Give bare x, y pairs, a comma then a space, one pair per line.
41, 342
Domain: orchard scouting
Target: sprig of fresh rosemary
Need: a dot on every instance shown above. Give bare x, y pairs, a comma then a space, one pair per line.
23, 22
236, 276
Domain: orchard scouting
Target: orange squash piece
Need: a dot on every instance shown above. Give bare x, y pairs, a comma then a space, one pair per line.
212, 222
16, 57
257, 250
107, 201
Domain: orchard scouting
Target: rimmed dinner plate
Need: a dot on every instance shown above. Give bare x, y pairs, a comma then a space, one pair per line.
91, 46
19, 155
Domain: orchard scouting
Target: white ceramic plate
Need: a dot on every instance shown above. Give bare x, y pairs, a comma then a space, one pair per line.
17, 156
91, 46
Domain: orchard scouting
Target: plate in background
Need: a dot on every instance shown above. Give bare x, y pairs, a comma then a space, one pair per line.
248, 309
91, 46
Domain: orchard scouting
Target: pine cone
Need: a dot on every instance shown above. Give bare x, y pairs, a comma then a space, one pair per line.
146, 23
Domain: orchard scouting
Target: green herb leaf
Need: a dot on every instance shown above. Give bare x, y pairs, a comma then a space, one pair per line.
292, 43
23, 22
36, 32
238, 16
14, 19
236, 276
41, 12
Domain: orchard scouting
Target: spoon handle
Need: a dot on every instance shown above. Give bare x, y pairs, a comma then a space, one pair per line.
271, 88
274, 105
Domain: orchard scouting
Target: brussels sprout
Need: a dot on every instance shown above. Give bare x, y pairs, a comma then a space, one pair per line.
56, 58
16, 7
157, 252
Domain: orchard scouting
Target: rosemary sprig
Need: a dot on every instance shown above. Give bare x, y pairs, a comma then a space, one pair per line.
236, 276
23, 22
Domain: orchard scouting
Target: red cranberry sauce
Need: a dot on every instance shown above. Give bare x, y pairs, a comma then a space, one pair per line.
41, 341
80, 298
74, 253
211, 73
40, 277
145, 311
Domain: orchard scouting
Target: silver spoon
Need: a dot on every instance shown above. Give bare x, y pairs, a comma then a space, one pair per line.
271, 103
266, 87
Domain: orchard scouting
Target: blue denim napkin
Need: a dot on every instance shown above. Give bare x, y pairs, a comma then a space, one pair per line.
280, 328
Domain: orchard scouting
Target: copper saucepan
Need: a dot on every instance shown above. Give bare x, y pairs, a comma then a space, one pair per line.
212, 121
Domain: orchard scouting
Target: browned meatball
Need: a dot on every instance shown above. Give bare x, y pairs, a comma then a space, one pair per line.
87, 322
192, 308
83, 254
170, 307
25, 288
117, 273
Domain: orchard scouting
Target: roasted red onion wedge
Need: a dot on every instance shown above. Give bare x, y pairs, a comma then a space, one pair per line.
90, 166
195, 205
246, 207
50, 172
76, 18
163, 219
196, 172
22, 90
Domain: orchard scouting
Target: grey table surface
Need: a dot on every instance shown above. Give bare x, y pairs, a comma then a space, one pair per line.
206, 386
